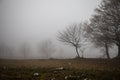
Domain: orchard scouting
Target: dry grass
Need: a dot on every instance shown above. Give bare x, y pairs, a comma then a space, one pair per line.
77, 69
68, 63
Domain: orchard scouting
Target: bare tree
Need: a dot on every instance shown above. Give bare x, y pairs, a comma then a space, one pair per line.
105, 25
47, 48
112, 15
73, 36
99, 34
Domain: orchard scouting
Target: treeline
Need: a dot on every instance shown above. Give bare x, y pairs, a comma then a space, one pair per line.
44, 49
103, 29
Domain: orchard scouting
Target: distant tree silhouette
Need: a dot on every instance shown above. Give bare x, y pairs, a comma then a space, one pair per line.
47, 48
25, 50
6, 51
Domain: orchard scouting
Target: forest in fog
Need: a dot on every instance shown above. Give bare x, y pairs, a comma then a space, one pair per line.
59, 29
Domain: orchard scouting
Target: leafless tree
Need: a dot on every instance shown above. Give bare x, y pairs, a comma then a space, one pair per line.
110, 11
73, 36
98, 33
112, 15
105, 25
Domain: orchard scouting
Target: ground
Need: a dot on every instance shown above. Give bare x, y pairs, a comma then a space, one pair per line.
60, 69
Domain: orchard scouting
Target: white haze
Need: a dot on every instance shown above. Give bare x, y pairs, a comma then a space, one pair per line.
34, 21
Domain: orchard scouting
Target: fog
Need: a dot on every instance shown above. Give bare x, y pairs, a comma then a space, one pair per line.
26, 24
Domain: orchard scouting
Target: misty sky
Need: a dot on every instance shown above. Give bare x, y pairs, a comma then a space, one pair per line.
37, 20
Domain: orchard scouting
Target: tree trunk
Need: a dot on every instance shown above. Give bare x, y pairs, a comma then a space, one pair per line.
76, 48
118, 51
82, 52
107, 50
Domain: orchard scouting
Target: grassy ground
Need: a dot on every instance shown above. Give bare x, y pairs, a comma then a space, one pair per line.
67, 69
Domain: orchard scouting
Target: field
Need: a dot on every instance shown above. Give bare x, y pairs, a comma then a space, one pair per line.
60, 69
